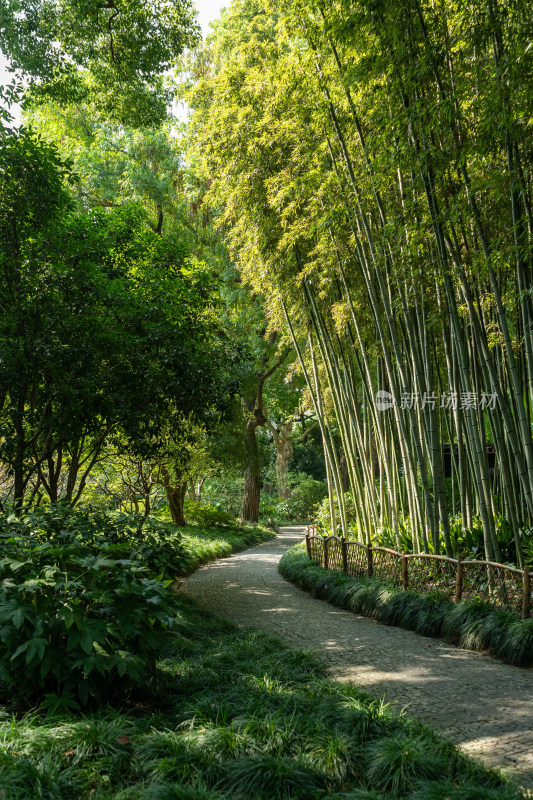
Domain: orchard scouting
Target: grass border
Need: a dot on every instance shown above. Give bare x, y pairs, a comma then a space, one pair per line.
471, 624
239, 715
204, 544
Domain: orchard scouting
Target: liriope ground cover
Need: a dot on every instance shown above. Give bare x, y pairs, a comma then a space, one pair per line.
471, 624
237, 715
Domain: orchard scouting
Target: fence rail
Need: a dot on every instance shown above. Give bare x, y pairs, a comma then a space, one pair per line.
499, 584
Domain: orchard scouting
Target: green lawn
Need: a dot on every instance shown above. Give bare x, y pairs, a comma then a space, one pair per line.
205, 544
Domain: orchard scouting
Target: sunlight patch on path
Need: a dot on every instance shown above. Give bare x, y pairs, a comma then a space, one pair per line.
482, 705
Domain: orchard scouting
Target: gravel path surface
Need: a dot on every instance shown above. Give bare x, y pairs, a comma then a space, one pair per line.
484, 706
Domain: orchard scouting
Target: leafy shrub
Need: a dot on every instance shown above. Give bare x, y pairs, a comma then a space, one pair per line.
157, 544
323, 518
267, 505
283, 510
207, 515
161, 548
81, 617
306, 497
273, 509
224, 492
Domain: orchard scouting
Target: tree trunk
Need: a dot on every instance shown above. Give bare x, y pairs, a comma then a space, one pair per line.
147, 505
251, 493
199, 488
176, 491
18, 466
176, 497
255, 417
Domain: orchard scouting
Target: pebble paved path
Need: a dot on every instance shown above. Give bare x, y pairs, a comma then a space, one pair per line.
482, 705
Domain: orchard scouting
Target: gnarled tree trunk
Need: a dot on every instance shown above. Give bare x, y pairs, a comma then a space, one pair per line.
252, 488
176, 497
255, 418
176, 491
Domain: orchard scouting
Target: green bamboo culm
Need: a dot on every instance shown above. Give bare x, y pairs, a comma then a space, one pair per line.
373, 166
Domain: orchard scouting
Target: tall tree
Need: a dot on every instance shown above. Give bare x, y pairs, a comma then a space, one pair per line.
255, 417
105, 325
111, 54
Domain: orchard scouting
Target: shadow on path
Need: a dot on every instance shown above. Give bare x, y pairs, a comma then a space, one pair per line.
484, 706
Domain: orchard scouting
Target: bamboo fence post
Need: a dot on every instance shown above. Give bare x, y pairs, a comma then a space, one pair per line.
526, 601
405, 576
459, 579
308, 542
370, 565
325, 554
344, 556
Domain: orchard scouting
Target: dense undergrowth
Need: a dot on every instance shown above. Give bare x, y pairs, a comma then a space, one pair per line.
116, 688
236, 715
471, 624
84, 600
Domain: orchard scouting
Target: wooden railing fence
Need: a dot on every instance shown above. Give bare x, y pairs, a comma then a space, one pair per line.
499, 584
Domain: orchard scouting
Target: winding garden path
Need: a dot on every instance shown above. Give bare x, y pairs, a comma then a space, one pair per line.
484, 706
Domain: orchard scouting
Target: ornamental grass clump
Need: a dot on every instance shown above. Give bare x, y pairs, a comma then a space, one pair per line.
395, 764
269, 778
472, 624
236, 715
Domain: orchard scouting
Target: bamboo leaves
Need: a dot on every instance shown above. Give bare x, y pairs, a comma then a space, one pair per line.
389, 206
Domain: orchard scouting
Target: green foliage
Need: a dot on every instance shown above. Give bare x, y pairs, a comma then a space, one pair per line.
306, 497
103, 320
202, 545
83, 609
308, 456
82, 615
160, 547
301, 506
224, 490
206, 515
122, 46
323, 518
471, 624
225, 493
465, 542
272, 508
237, 714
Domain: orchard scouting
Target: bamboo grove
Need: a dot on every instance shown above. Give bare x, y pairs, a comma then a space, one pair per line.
372, 163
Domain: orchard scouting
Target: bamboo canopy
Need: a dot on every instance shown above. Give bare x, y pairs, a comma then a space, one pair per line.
373, 163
